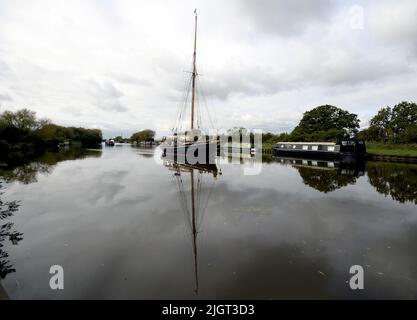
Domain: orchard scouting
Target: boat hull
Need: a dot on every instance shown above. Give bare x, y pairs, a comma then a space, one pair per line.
196, 153
345, 156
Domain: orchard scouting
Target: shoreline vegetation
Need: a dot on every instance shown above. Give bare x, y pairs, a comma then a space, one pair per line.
23, 136
392, 132
400, 150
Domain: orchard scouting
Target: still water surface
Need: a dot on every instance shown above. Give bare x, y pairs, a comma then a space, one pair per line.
122, 225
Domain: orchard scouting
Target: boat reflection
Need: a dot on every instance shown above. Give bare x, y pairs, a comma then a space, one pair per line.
233, 156
195, 184
325, 176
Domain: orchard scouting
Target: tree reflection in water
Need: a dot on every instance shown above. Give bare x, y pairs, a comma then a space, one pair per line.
27, 172
7, 232
397, 180
325, 176
328, 179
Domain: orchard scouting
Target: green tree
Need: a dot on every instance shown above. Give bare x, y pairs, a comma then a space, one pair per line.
372, 134
119, 139
327, 123
146, 135
23, 119
397, 124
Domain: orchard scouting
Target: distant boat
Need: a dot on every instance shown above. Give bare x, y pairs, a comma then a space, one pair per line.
64, 144
191, 141
110, 142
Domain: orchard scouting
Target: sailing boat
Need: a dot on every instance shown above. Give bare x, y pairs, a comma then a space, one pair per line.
191, 142
195, 205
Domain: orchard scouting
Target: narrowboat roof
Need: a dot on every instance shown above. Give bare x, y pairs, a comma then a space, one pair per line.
309, 143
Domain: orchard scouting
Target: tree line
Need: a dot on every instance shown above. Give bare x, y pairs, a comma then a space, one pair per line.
393, 125
146, 136
22, 133
396, 124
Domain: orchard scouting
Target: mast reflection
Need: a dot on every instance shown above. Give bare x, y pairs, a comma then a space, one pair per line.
193, 196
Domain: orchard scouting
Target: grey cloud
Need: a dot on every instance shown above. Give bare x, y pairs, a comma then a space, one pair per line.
284, 17
113, 106
106, 90
5, 70
319, 70
350, 69
75, 111
395, 26
5, 97
106, 96
270, 60
247, 80
129, 79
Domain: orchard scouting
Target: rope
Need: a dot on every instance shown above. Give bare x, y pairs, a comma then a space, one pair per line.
206, 203
205, 103
183, 200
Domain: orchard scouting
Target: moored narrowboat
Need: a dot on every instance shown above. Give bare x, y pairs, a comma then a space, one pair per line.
344, 149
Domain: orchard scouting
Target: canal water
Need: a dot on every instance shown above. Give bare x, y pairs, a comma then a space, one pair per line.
124, 224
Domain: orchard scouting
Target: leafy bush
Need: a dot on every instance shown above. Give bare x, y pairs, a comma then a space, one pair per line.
395, 125
24, 133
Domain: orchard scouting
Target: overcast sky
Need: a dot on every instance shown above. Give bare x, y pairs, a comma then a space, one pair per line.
119, 65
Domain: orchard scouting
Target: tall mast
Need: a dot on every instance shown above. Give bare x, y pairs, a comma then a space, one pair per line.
194, 71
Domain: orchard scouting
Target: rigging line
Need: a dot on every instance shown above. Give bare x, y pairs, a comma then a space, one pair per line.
206, 204
184, 104
184, 108
198, 107
184, 86
183, 201
199, 183
206, 107
181, 207
181, 116
205, 102
198, 191
185, 204
175, 179
186, 89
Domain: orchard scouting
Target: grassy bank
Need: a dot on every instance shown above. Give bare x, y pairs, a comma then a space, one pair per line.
400, 150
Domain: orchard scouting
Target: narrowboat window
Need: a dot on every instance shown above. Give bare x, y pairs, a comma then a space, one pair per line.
294, 146
314, 148
314, 163
330, 148
305, 147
